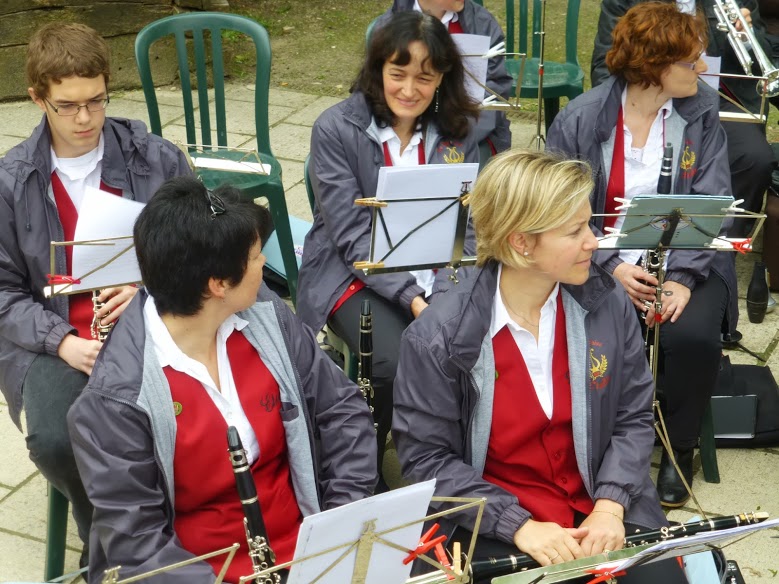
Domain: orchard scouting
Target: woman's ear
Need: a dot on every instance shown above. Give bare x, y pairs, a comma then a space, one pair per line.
522, 243
217, 288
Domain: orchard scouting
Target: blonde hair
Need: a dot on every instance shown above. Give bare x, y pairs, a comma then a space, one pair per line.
524, 191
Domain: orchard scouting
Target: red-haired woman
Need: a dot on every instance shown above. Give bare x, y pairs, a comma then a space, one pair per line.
653, 97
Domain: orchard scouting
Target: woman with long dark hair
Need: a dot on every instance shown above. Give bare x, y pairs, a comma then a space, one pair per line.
408, 107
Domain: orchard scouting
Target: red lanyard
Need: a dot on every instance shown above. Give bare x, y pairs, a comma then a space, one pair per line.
616, 186
420, 154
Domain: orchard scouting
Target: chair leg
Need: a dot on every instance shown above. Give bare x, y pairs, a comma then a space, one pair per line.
708, 448
551, 108
56, 535
278, 209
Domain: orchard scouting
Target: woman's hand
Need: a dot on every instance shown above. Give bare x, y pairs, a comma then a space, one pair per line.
417, 306
79, 353
675, 299
606, 530
637, 283
548, 543
115, 301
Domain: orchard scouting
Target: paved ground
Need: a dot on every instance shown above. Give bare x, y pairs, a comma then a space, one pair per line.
749, 477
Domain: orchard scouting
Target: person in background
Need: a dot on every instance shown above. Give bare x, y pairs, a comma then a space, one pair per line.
408, 107
654, 97
202, 346
46, 349
465, 16
530, 388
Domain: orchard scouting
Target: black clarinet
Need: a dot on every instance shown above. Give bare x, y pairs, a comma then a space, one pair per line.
493, 567
365, 363
260, 552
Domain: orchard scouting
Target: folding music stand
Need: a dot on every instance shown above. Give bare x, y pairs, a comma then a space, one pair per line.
660, 223
419, 218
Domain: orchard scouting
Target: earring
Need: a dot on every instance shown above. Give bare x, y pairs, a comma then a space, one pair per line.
527, 253
436, 100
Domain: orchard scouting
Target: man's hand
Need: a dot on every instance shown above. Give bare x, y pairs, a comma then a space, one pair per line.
417, 306
638, 284
606, 530
548, 543
116, 300
675, 299
747, 16
79, 353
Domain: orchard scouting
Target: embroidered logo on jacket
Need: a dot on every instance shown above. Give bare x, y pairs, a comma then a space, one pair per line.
687, 161
599, 365
451, 153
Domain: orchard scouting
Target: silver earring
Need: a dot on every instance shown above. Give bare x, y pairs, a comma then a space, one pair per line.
527, 253
436, 100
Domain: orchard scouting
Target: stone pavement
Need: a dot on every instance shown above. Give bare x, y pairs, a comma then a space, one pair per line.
749, 477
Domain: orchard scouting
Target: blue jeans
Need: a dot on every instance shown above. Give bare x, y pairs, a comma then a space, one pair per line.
50, 388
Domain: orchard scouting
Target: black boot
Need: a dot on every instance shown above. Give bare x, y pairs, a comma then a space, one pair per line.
669, 484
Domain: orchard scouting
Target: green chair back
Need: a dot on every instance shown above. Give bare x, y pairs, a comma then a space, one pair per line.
201, 26
560, 79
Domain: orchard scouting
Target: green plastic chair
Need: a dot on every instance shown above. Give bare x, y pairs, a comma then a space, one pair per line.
338, 344
56, 535
560, 79
194, 25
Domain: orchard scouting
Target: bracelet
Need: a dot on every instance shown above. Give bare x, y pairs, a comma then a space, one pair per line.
609, 512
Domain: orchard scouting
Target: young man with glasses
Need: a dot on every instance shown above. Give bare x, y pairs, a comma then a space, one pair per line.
46, 350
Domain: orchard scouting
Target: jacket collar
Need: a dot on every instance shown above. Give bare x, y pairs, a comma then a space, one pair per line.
689, 108
474, 321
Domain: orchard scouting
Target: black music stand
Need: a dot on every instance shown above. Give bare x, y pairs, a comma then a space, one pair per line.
419, 218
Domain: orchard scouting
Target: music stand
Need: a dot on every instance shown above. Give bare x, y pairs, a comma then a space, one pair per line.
419, 218
661, 223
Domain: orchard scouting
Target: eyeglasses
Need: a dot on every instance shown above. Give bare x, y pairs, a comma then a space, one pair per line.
216, 204
691, 66
72, 109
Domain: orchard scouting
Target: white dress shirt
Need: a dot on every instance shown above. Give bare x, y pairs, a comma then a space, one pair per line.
449, 15
409, 157
537, 355
226, 401
78, 173
642, 166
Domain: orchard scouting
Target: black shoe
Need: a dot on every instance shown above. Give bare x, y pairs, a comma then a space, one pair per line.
731, 340
669, 484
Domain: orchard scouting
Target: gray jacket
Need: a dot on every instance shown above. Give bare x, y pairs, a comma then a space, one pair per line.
133, 160
585, 130
475, 19
123, 431
346, 154
742, 89
444, 394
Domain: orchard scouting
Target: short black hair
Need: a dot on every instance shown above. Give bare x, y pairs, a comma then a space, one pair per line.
456, 110
181, 243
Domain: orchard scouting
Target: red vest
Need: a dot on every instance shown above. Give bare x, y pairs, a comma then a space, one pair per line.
528, 454
80, 309
455, 27
208, 511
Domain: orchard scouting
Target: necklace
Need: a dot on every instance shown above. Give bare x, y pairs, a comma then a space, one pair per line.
517, 314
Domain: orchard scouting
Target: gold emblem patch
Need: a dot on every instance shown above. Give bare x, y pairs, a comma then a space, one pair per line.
688, 158
453, 156
597, 366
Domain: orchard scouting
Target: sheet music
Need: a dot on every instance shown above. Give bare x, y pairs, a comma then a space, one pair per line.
345, 524
230, 165
432, 243
104, 215
474, 44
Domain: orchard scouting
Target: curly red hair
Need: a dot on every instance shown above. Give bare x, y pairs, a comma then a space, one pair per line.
649, 38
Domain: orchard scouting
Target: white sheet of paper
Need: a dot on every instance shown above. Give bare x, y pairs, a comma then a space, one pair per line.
714, 65
104, 215
345, 524
230, 165
432, 244
474, 44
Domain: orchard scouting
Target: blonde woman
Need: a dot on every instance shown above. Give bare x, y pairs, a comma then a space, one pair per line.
530, 386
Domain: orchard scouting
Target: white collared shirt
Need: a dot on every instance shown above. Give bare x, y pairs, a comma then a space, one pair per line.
226, 401
686, 6
449, 15
409, 157
642, 166
538, 356
79, 173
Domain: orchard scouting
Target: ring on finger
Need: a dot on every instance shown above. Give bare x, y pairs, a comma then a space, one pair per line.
553, 558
